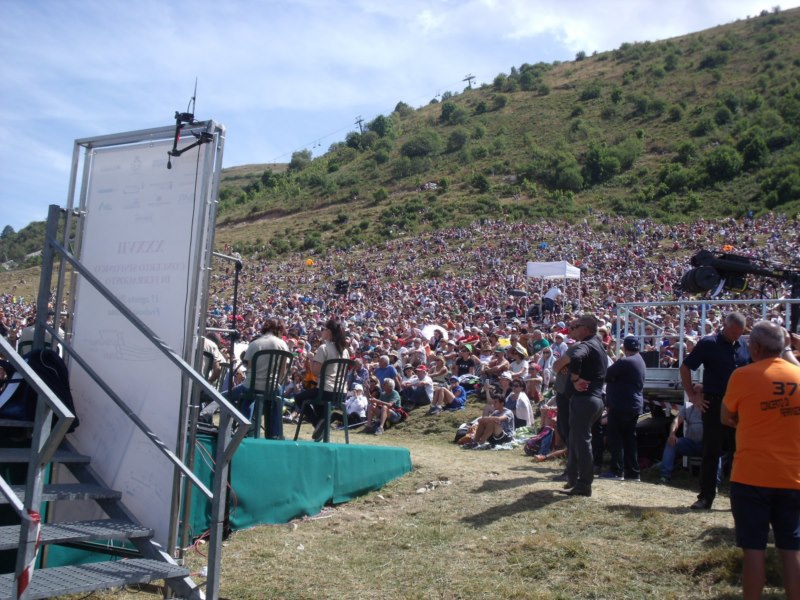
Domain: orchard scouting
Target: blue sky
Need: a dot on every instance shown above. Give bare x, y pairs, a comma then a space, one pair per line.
280, 75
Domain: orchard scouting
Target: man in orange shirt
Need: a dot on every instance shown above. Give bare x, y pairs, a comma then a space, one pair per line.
762, 402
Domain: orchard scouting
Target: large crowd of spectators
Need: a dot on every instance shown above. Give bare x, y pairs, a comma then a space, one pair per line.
426, 300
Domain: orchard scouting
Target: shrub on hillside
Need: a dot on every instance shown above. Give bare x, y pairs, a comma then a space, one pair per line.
453, 114
456, 140
590, 92
723, 163
781, 184
499, 101
300, 160
401, 167
481, 183
723, 115
753, 148
714, 59
703, 127
426, 143
685, 152
380, 194
675, 113
381, 125
403, 109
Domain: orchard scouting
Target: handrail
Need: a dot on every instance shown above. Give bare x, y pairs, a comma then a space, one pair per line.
186, 369
44, 443
12, 498
626, 312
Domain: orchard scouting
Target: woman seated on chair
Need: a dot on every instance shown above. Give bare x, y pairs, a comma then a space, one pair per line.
333, 346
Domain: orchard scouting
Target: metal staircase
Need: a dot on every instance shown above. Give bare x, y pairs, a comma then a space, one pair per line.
150, 562
47, 582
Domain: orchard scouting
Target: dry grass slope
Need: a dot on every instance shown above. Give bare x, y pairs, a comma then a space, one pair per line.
489, 524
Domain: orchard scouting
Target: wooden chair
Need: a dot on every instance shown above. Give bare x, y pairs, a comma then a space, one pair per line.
266, 400
328, 400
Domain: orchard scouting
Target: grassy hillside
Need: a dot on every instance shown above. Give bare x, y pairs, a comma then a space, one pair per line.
702, 125
705, 124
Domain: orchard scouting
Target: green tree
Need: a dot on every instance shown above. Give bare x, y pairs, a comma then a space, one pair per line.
499, 101
453, 114
753, 148
723, 163
8, 231
456, 140
403, 109
481, 183
426, 143
300, 160
381, 125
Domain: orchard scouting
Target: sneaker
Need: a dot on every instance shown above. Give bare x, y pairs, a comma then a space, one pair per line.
612, 475
469, 446
701, 504
561, 477
663, 480
378, 431
434, 410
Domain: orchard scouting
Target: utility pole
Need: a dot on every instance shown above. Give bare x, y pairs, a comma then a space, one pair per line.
469, 79
359, 121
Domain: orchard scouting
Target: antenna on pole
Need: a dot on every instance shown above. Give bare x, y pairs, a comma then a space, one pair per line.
359, 121
186, 118
468, 79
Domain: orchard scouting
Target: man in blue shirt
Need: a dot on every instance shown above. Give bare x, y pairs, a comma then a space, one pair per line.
719, 354
385, 370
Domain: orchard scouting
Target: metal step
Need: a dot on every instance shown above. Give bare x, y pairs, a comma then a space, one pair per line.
77, 531
59, 581
16, 424
23, 455
68, 491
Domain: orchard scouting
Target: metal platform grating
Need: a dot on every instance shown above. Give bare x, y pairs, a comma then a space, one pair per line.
68, 491
77, 531
59, 581
23, 455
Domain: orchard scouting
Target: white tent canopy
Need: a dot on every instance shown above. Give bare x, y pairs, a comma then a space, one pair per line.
560, 269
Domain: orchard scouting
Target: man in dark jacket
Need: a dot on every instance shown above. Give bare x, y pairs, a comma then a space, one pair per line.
624, 385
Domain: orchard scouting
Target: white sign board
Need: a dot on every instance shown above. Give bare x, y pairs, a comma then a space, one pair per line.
141, 233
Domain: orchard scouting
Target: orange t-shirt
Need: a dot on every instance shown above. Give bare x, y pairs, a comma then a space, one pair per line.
766, 395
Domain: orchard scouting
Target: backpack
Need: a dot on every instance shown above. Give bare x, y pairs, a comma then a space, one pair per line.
21, 405
541, 443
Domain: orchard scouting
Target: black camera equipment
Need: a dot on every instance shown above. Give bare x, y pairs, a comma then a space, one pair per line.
182, 119
717, 272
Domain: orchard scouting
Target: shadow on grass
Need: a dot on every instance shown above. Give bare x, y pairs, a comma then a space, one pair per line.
532, 501
714, 537
494, 485
636, 511
537, 469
